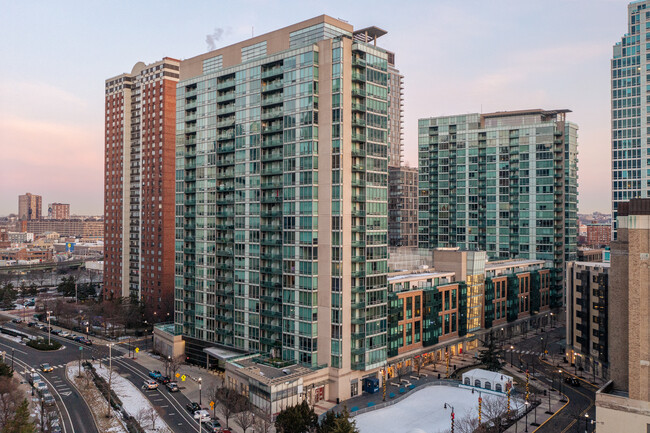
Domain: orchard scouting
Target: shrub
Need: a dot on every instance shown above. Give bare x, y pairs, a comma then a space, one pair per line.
42, 344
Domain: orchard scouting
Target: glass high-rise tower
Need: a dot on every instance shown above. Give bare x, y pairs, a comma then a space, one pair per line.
281, 197
505, 183
630, 105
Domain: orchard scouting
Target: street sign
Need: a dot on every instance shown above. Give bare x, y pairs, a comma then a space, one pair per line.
81, 348
183, 377
211, 405
178, 375
137, 350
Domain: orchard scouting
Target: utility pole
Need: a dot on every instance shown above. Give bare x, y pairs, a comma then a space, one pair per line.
49, 342
200, 402
110, 370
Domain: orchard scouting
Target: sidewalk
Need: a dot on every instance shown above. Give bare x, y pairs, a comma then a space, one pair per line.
541, 413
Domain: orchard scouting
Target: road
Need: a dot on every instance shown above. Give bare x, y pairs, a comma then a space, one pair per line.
581, 399
171, 405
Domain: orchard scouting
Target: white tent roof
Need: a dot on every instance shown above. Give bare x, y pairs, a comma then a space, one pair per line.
490, 376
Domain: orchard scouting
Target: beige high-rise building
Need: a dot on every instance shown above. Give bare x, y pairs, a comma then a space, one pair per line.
58, 211
30, 207
626, 399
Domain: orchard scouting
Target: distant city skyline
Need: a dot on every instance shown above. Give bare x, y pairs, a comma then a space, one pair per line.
456, 58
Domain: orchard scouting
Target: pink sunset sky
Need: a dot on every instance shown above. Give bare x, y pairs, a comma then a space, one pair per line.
457, 57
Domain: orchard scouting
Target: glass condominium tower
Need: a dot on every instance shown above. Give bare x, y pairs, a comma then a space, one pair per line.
281, 197
504, 183
630, 104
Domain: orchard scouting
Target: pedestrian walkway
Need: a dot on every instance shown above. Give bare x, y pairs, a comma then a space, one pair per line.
549, 405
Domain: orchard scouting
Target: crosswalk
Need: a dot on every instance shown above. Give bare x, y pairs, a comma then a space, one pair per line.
525, 352
105, 359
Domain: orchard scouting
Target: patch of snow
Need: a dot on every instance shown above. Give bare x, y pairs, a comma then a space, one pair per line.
133, 400
424, 411
12, 338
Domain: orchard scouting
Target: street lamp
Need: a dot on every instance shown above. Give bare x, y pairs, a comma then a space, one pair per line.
12, 359
453, 415
200, 402
110, 376
48, 328
526, 403
512, 349
586, 423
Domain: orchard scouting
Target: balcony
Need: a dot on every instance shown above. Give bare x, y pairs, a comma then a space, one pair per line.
271, 214
226, 123
228, 96
225, 149
358, 107
358, 259
271, 328
226, 84
271, 227
358, 320
358, 244
272, 72
358, 305
358, 289
358, 274
358, 182
225, 252
271, 185
228, 135
271, 198
272, 156
273, 113
269, 129
228, 109
358, 92
358, 61
272, 100
274, 85
358, 197
271, 270
270, 171
271, 143
356, 76
271, 242
271, 313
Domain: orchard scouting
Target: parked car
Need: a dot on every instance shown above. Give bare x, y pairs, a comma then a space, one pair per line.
46, 368
71, 336
193, 407
56, 331
64, 334
40, 386
31, 324
79, 339
202, 415
17, 320
212, 426
164, 379
150, 384
572, 381
155, 374
172, 386
34, 377
48, 399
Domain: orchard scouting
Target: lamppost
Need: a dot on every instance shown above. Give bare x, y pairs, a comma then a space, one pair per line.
48, 328
453, 414
526, 409
512, 349
12, 359
200, 402
110, 376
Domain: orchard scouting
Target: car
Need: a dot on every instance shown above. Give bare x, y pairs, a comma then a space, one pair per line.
86, 341
164, 379
32, 324
155, 374
46, 368
78, 339
150, 384
572, 381
56, 331
48, 399
42, 327
202, 415
30, 304
34, 377
16, 320
172, 386
64, 334
212, 426
40, 386
193, 407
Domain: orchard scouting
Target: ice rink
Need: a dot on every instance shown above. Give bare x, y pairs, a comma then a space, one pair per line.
423, 411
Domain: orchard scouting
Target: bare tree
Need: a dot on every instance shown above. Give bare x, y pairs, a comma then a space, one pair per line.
142, 416
417, 363
401, 370
152, 417
175, 364
230, 401
10, 399
244, 417
263, 422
